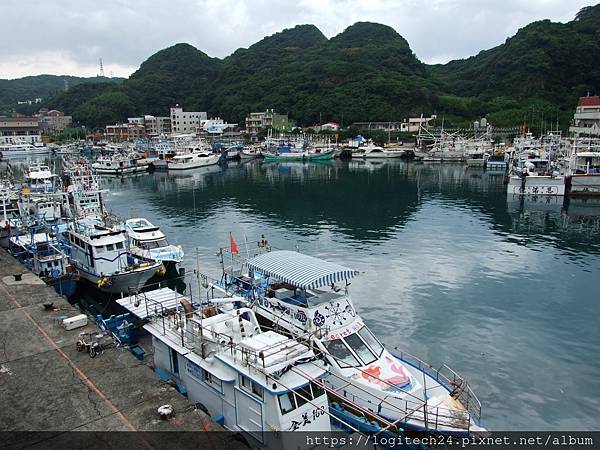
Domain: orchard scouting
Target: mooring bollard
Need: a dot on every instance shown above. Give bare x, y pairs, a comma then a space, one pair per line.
18, 276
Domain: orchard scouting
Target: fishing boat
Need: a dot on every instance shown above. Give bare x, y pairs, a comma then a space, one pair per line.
118, 164
372, 151
148, 242
496, 164
299, 294
47, 257
10, 216
231, 153
100, 255
248, 153
584, 167
39, 178
320, 154
45, 208
164, 152
197, 157
19, 150
535, 176
248, 380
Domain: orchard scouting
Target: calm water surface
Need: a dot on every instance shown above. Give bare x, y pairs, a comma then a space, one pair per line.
505, 292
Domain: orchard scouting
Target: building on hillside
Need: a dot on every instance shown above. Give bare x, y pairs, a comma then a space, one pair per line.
586, 120
185, 121
258, 121
155, 125
329, 126
410, 125
20, 130
53, 121
125, 132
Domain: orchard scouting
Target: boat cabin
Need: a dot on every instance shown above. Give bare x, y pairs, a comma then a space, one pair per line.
247, 379
98, 250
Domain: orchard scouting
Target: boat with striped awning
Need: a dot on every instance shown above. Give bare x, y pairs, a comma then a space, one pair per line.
304, 296
302, 271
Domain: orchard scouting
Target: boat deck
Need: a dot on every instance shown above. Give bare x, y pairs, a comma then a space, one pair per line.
47, 385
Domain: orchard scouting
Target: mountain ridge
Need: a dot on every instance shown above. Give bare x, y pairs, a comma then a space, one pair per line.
366, 72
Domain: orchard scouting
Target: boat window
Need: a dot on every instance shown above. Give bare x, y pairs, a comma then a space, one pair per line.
371, 340
303, 395
119, 245
359, 347
257, 389
99, 249
286, 402
342, 354
110, 247
251, 386
317, 390
149, 245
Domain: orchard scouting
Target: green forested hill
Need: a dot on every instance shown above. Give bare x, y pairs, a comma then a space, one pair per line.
367, 72
39, 86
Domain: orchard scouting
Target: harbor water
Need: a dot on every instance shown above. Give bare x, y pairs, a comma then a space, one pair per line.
504, 290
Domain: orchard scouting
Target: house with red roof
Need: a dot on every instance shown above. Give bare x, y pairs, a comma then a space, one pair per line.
586, 121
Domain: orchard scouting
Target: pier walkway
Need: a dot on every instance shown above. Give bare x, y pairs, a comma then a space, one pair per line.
46, 385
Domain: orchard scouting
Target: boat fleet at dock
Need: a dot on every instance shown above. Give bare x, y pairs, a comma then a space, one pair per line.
59, 227
274, 344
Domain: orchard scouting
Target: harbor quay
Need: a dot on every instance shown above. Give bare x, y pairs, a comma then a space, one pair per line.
48, 386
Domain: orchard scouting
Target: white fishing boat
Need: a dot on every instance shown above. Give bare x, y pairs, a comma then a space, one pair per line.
248, 153
39, 178
118, 164
248, 380
300, 294
20, 150
584, 167
535, 176
232, 153
46, 208
10, 216
197, 157
47, 257
496, 164
372, 151
148, 242
100, 255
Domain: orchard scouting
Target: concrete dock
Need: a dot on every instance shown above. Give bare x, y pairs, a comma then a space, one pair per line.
47, 385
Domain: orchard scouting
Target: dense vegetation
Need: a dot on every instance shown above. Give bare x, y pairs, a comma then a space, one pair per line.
41, 86
367, 72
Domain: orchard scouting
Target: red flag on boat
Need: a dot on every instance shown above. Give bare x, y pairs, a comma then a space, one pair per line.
233, 246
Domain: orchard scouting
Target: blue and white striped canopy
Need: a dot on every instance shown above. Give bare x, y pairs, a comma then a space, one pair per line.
300, 270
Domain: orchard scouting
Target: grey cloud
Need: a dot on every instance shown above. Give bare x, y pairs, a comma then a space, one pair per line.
74, 34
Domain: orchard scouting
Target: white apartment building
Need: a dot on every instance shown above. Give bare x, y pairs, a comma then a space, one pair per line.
185, 121
586, 121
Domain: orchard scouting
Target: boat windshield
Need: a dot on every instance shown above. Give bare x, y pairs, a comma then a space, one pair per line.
341, 353
371, 341
149, 245
357, 349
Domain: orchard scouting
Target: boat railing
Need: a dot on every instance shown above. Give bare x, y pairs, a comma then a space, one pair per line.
198, 337
456, 384
405, 409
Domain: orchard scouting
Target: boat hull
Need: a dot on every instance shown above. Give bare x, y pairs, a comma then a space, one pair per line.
210, 161
536, 185
584, 184
122, 282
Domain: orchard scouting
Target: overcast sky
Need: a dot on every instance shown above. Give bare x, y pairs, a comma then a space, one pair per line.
70, 36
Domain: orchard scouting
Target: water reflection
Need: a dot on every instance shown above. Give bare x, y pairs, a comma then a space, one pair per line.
455, 271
